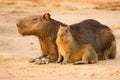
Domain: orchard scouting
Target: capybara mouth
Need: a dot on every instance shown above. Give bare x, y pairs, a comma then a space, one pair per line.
24, 34
21, 32
20, 29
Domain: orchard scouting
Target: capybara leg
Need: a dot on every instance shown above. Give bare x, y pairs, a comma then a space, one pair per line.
53, 57
66, 58
111, 52
85, 58
93, 57
79, 62
64, 61
33, 60
59, 58
106, 54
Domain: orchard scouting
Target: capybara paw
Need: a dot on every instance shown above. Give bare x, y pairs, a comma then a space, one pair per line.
64, 62
58, 61
38, 61
31, 60
80, 62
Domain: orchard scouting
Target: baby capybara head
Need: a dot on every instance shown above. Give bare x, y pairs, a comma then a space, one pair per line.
64, 32
33, 25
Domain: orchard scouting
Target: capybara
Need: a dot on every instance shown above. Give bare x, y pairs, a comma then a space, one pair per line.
85, 32
46, 30
71, 51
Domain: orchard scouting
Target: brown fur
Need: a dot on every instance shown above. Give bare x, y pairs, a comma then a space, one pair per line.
45, 29
90, 32
72, 52
107, 37
85, 32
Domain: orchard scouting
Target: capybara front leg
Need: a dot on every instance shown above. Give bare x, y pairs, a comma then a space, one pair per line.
111, 52
34, 59
66, 58
59, 58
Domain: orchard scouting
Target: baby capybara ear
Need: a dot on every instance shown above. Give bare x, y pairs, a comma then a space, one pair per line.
46, 16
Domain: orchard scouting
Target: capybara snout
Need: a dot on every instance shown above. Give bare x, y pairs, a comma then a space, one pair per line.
19, 22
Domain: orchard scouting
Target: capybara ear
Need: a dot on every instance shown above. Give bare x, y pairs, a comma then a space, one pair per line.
68, 27
46, 16
104, 31
60, 26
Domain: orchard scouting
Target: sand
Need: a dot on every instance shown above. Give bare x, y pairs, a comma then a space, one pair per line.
15, 50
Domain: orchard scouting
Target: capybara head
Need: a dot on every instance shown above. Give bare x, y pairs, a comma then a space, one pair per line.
32, 25
64, 32
106, 35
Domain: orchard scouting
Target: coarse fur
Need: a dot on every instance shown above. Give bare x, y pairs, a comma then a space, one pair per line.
72, 52
107, 37
91, 32
85, 32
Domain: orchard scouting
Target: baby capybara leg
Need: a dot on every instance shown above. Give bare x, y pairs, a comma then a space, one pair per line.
59, 58
84, 60
66, 58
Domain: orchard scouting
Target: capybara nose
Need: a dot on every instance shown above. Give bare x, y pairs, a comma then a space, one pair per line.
19, 22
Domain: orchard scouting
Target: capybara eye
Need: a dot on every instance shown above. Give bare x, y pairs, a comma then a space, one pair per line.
66, 31
34, 18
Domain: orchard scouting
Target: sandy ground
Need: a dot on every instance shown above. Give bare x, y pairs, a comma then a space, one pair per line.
15, 50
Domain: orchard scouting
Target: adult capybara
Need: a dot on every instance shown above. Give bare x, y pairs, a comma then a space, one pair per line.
86, 32
46, 30
71, 51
